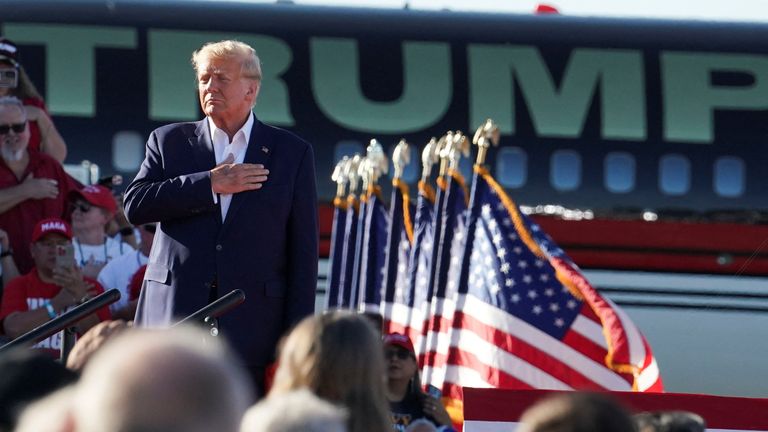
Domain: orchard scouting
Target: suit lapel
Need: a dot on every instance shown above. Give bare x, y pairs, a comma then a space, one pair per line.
202, 149
259, 151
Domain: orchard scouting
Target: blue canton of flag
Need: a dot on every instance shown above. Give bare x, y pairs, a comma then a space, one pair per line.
414, 299
346, 270
373, 253
410, 294
399, 241
505, 273
336, 253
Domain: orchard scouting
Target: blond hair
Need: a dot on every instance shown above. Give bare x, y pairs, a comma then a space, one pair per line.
339, 357
250, 64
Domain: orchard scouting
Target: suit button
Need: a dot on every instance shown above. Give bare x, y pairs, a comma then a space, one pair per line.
219, 248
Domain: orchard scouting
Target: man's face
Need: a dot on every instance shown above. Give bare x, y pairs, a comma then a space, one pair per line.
225, 95
44, 250
14, 133
87, 216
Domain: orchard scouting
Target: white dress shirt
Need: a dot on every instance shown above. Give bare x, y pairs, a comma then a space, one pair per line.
223, 148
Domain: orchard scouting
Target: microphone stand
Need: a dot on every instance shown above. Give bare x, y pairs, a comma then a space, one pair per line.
208, 315
63, 322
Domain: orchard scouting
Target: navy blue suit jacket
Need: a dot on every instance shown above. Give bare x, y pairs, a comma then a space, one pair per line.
267, 246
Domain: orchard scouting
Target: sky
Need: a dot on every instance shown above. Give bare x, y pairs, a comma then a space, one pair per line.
719, 10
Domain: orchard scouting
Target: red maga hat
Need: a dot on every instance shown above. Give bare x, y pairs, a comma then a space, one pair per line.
96, 195
49, 226
401, 340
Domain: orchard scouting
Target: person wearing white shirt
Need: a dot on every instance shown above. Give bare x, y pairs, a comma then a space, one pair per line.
93, 207
118, 273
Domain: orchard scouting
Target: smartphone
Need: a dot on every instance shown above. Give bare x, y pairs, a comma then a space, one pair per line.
9, 78
65, 256
434, 392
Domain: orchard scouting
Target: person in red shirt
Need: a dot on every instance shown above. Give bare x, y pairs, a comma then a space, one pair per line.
48, 289
33, 186
44, 136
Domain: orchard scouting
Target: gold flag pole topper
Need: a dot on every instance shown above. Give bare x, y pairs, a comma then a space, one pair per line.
401, 156
351, 170
485, 136
456, 145
375, 163
339, 176
429, 157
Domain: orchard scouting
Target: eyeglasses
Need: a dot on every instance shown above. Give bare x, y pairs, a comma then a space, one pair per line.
52, 243
400, 353
84, 207
150, 228
15, 127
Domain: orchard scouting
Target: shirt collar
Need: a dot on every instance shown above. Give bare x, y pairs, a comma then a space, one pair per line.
245, 130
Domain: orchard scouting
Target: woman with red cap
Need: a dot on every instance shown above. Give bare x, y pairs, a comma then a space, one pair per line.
406, 400
44, 136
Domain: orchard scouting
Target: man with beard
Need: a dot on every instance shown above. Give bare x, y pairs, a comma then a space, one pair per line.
33, 185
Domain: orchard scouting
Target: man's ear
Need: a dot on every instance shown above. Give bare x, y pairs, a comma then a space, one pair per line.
253, 90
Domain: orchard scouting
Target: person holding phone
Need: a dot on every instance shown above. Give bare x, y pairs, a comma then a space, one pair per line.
407, 402
53, 286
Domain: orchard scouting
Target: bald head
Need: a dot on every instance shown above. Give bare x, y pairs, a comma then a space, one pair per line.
171, 381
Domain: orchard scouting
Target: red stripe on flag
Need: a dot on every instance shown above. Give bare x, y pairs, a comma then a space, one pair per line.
585, 346
493, 376
527, 353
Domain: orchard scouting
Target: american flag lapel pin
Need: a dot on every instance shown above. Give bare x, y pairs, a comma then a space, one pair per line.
265, 149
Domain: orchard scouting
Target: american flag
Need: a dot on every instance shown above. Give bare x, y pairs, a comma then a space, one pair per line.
410, 304
335, 256
399, 243
346, 268
373, 252
445, 285
526, 318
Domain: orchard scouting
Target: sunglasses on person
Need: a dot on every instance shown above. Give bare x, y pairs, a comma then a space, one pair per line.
150, 228
397, 353
15, 127
84, 207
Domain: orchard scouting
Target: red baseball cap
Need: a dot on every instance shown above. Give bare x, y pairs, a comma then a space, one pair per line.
51, 225
401, 340
96, 195
8, 51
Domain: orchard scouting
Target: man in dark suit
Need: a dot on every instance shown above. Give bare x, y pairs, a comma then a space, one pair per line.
236, 203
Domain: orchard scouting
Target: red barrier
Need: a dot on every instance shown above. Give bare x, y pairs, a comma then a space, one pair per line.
491, 410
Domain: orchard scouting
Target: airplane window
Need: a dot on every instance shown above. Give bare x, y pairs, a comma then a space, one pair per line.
619, 172
674, 174
511, 167
346, 148
565, 170
728, 179
127, 151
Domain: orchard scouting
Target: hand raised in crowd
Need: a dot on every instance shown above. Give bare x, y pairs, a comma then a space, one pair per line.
229, 177
91, 341
71, 279
92, 268
40, 188
435, 409
34, 113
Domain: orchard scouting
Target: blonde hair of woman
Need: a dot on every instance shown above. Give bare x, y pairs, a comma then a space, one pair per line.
339, 357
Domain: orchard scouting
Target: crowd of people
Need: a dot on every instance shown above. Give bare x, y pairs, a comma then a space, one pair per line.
64, 243
335, 373
57, 235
